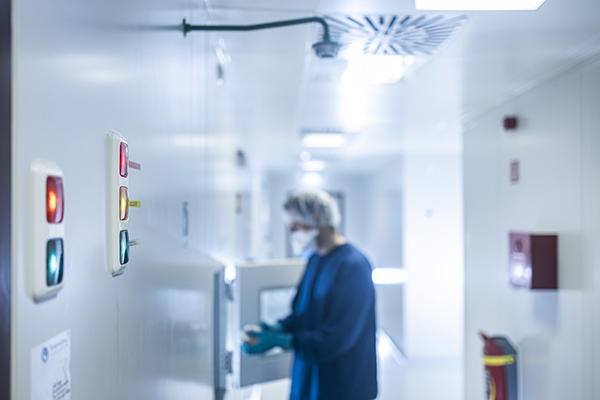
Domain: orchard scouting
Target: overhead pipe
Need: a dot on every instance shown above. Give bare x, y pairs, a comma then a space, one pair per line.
326, 48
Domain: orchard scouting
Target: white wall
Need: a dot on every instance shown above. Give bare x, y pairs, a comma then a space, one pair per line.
385, 217
386, 244
82, 68
433, 255
558, 147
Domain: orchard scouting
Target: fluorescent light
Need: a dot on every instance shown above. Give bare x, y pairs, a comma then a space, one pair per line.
387, 276
324, 140
230, 271
378, 69
478, 5
305, 156
312, 179
314, 166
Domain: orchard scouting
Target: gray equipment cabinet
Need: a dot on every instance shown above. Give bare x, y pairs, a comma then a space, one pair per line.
256, 291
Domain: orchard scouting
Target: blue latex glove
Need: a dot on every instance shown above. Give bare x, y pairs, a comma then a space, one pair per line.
268, 340
277, 327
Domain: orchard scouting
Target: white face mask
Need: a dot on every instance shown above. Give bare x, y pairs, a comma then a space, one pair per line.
304, 240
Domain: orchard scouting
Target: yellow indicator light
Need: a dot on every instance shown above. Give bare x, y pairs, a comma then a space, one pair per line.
498, 361
123, 204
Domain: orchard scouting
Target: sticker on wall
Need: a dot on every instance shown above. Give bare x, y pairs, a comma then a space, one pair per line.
51, 369
515, 175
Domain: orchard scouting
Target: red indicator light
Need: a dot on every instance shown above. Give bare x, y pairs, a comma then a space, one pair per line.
55, 200
123, 204
124, 160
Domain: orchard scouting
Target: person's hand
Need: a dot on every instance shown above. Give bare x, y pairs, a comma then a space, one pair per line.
276, 327
267, 341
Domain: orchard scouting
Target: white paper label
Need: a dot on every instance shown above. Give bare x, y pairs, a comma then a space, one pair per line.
51, 369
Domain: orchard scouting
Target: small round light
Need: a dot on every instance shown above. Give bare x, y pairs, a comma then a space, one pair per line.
305, 156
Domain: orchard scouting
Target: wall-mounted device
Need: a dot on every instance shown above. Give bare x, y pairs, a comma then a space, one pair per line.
117, 204
510, 123
533, 261
245, 295
48, 241
263, 292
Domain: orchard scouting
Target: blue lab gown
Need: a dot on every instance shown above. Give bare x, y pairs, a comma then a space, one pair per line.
333, 322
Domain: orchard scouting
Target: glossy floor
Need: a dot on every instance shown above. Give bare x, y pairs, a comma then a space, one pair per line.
399, 379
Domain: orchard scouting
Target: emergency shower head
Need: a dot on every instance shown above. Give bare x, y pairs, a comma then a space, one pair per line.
326, 48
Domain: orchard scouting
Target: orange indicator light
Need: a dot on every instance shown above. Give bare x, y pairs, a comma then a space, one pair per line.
55, 202
52, 201
123, 204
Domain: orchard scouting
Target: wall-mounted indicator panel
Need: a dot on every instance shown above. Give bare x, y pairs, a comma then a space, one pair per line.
118, 204
47, 268
533, 261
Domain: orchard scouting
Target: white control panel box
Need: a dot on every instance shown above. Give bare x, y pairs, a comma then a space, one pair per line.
47, 265
117, 204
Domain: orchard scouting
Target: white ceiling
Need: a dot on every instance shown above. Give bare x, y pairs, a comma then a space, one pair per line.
497, 55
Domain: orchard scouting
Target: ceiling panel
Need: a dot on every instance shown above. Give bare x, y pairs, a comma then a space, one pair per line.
272, 5
495, 56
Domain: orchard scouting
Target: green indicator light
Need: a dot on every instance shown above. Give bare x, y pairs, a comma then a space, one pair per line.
124, 247
54, 262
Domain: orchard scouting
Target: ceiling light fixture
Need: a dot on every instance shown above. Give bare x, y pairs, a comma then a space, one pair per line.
389, 276
305, 156
478, 5
324, 140
378, 69
314, 166
326, 48
312, 179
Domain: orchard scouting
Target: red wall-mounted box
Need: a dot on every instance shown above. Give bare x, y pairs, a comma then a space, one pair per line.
533, 262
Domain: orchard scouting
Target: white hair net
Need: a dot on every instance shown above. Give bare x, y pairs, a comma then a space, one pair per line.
315, 209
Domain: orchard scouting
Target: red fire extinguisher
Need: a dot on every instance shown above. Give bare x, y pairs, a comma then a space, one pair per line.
500, 360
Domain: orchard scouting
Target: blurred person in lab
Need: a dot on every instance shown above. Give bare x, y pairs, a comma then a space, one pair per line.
332, 325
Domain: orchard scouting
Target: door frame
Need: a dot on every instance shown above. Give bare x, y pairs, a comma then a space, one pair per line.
5, 197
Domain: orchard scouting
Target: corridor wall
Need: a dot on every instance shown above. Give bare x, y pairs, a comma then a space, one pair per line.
558, 150
82, 69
